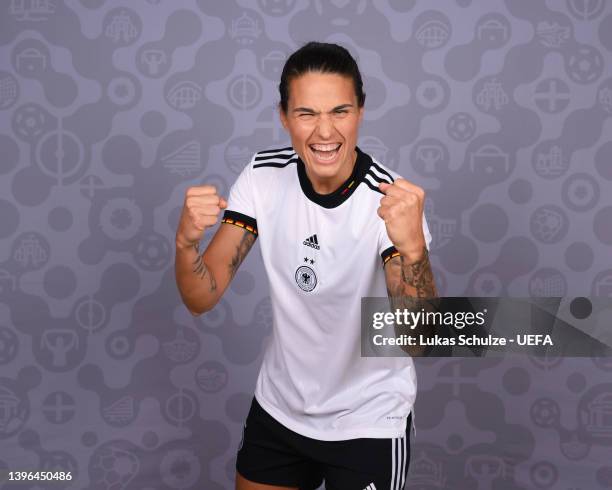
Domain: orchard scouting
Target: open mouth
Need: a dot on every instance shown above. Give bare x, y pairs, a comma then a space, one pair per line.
325, 153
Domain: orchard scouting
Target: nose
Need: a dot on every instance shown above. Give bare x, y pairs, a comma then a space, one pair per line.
325, 128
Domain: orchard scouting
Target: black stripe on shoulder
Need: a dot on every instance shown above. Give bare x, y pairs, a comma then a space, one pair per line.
275, 164
276, 150
280, 156
377, 178
372, 186
241, 220
388, 253
382, 170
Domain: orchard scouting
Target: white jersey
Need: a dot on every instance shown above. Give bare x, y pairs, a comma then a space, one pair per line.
322, 254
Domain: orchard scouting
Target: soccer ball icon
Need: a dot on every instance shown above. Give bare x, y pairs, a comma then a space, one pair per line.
461, 126
545, 412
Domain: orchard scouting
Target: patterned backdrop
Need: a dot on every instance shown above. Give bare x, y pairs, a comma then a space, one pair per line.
109, 110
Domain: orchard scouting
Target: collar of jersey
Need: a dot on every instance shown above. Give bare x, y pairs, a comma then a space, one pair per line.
342, 193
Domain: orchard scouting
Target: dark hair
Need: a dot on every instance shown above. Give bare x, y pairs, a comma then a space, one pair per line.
323, 58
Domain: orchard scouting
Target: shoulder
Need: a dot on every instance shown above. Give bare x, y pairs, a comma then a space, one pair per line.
378, 172
274, 158
266, 170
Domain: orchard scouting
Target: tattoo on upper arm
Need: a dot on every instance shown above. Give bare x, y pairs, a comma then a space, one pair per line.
201, 270
246, 242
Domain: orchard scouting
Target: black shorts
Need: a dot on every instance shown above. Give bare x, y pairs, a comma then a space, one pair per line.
271, 453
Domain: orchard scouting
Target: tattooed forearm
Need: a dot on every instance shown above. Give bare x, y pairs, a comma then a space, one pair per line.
416, 279
202, 271
246, 242
412, 287
399, 301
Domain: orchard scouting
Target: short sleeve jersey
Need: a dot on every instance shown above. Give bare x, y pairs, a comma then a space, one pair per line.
323, 253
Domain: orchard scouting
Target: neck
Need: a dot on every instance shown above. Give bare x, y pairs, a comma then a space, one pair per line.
327, 186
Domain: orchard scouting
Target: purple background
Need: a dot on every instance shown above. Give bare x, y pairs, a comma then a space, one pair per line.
109, 110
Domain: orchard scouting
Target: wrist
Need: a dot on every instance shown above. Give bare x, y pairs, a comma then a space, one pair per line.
414, 253
182, 244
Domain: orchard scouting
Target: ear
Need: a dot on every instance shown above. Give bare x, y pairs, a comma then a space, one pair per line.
283, 117
360, 114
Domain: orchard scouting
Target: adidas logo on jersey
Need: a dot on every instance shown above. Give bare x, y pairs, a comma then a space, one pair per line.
312, 241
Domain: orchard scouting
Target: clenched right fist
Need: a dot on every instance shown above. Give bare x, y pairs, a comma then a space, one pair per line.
200, 211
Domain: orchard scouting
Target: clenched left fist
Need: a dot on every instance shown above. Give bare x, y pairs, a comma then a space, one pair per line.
401, 209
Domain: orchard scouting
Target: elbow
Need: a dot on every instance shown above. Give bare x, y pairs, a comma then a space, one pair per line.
191, 306
196, 310
200, 309
194, 313
194, 305
197, 301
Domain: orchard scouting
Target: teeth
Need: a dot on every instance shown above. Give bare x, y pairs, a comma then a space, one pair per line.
330, 147
327, 156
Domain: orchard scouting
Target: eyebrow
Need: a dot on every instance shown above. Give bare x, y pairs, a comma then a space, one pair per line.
312, 111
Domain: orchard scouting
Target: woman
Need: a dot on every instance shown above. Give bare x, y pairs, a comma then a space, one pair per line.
335, 226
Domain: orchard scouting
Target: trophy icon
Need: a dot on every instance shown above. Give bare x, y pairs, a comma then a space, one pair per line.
429, 155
